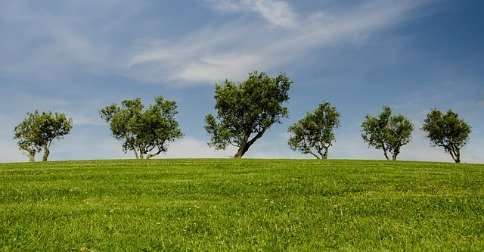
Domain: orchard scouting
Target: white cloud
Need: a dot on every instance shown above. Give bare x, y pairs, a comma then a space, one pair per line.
278, 13
53, 45
233, 50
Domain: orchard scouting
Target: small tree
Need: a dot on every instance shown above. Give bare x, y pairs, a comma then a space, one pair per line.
245, 111
314, 134
38, 130
387, 132
146, 132
447, 131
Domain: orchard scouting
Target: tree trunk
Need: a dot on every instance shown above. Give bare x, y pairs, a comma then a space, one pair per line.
244, 147
31, 156
241, 151
395, 154
320, 153
324, 154
46, 154
457, 157
454, 153
386, 154
385, 151
141, 153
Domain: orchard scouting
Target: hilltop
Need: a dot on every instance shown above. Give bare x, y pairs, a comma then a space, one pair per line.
209, 204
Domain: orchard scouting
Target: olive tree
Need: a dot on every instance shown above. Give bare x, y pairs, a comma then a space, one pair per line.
387, 132
37, 132
314, 134
246, 110
448, 131
145, 131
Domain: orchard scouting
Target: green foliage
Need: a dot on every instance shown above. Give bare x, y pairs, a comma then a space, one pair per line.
447, 131
245, 111
241, 205
314, 134
38, 130
387, 132
146, 132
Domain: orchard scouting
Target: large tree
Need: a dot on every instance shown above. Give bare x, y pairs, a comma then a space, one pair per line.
246, 110
448, 131
314, 134
387, 132
145, 131
37, 132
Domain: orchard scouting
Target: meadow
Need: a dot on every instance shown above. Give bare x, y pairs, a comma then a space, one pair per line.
226, 205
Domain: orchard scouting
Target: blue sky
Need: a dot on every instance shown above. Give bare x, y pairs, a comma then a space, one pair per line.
78, 56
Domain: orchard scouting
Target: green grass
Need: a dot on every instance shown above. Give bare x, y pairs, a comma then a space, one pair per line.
296, 205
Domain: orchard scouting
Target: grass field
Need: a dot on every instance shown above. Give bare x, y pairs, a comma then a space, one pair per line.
297, 205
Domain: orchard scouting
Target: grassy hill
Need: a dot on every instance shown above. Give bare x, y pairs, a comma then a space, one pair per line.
241, 205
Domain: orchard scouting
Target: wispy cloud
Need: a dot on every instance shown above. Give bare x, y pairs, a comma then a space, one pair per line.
52, 45
278, 13
214, 54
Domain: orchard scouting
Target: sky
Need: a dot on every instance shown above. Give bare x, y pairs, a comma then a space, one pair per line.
79, 56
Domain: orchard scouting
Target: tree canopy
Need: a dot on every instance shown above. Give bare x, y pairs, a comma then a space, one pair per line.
246, 110
314, 134
145, 131
448, 131
387, 132
38, 130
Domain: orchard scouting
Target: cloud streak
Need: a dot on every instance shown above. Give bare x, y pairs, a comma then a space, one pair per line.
277, 13
235, 49
58, 44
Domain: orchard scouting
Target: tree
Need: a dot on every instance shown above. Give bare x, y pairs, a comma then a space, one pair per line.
447, 131
246, 110
314, 134
387, 132
37, 132
146, 132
